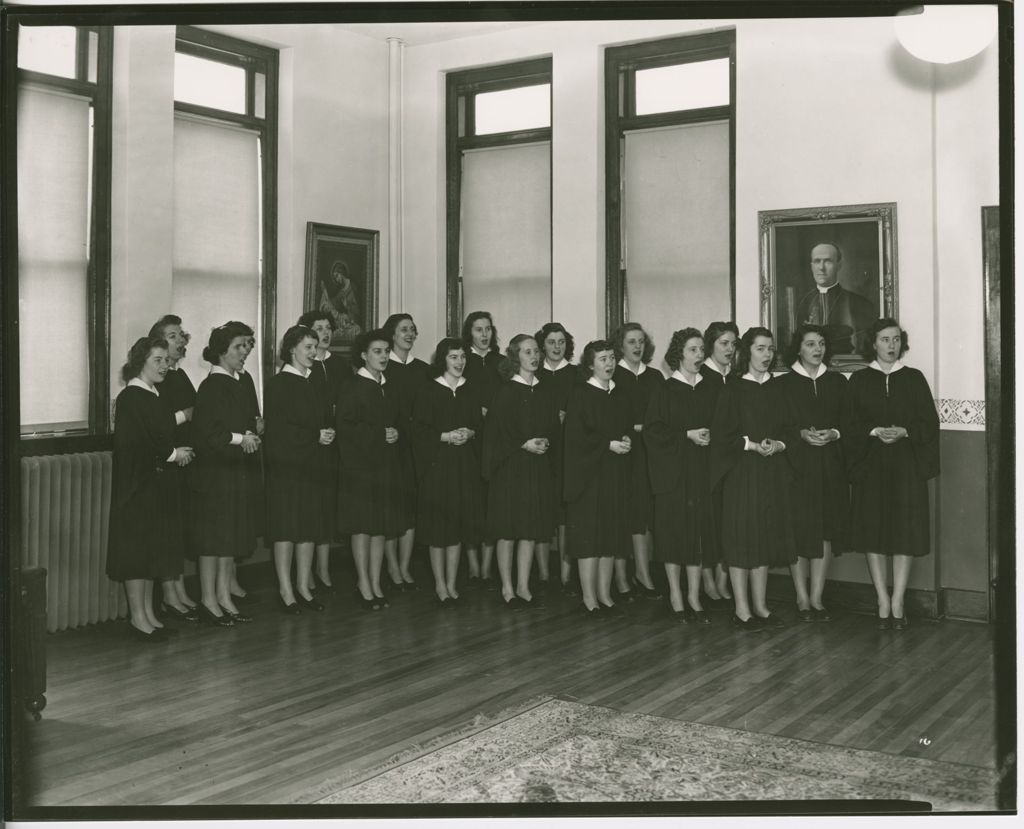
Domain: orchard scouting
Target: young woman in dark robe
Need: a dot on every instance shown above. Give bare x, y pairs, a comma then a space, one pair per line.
558, 346
635, 375
598, 441
483, 356
370, 505
677, 431
891, 440
817, 399
446, 424
750, 435
179, 395
145, 540
327, 378
291, 442
407, 375
522, 423
224, 504
720, 340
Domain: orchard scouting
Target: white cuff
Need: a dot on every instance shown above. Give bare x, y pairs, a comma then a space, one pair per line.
838, 436
174, 455
874, 432
749, 445
783, 445
236, 438
179, 418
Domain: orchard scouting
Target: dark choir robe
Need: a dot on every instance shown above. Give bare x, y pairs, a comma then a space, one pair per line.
371, 492
684, 525
563, 382
327, 379
291, 447
521, 499
178, 394
406, 380
597, 480
890, 481
451, 505
757, 492
483, 372
639, 387
822, 495
716, 382
145, 533
225, 490
255, 461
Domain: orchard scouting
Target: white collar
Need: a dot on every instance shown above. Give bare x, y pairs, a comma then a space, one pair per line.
393, 357
365, 372
172, 368
678, 375
798, 367
829, 288
593, 381
458, 385
220, 370
878, 366
324, 359
518, 378
562, 364
753, 379
139, 383
625, 365
478, 352
711, 364
290, 369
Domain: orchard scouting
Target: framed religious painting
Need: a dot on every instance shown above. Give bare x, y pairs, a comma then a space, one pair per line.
829, 266
341, 279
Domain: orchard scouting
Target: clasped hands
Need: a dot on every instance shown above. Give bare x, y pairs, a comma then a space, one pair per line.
251, 443
326, 437
184, 455
621, 446
768, 447
890, 434
537, 445
390, 434
458, 437
702, 437
818, 437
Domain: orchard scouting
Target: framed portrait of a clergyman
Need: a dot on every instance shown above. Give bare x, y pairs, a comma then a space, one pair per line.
829, 266
341, 279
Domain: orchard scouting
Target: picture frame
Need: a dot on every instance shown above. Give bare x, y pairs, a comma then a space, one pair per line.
865, 274
342, 275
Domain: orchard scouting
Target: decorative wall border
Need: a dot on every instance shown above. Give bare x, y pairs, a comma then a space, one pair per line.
967, 412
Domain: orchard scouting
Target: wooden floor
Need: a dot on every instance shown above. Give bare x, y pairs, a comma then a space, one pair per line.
266, 712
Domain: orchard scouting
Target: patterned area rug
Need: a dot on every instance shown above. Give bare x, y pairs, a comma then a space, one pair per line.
566, 751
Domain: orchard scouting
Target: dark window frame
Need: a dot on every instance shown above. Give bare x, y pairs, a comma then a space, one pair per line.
263, 60
621, 64
461, 89
97, 435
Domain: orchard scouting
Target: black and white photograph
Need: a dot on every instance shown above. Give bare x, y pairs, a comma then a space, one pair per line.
529, 411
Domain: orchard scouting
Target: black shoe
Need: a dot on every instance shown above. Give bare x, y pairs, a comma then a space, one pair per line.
684, 616
751, 625
156, 635
646, 592
237, 617
883, 622
292, 609
445, 603
821, 614
611, 610
701, 617
368, 604
805, 615
590, 612
167, 631
410, 586
320, 586
381, 602
210, 617
189, 615
570, 590
772, 620
715, 604
515, 604
309, 604
625, 596
900, 622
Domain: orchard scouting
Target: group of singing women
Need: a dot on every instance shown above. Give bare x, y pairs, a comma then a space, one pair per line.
718, 472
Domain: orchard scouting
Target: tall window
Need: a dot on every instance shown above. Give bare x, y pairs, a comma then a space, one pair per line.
499, 195
670, 183
63, 153
225, 127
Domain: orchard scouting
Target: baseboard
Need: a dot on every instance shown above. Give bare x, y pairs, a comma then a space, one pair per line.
969, 605
855, 597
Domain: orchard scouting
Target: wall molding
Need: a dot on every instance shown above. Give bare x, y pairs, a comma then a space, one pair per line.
954, 411
856, 597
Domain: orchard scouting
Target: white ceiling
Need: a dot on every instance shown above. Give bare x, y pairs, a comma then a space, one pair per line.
417, 34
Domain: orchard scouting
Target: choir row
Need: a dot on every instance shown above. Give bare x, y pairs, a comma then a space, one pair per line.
719, 471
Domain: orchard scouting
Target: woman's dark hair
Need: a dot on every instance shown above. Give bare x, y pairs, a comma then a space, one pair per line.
868, 352
553, 328
391, 325
138, 354
313, 316
716, 330
292, 337
590, 350
792, 353
674, 353
744, 345
444, 348
510, 365
363, 342
467, 329
220, 340
160, 327
619, 337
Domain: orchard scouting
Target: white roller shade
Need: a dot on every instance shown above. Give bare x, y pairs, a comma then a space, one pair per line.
676, 218
506, 236
216, 235
54, 166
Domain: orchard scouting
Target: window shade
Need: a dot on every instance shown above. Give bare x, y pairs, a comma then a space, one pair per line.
54, 165
676, 218
506, 236
216, 235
